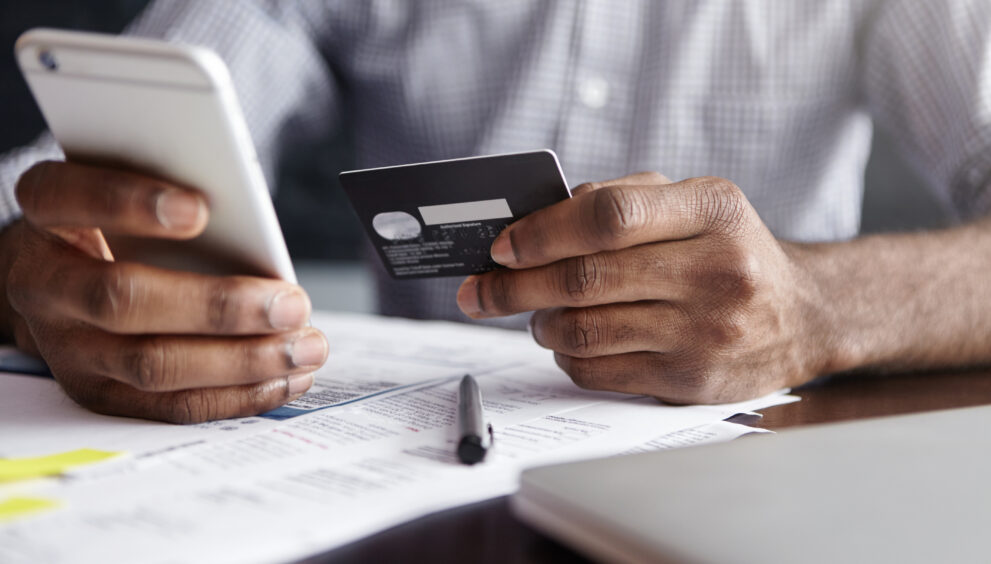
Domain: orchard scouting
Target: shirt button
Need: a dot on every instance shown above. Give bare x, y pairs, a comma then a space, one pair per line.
594, 92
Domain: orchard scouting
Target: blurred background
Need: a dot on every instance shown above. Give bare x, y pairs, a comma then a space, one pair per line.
320, 229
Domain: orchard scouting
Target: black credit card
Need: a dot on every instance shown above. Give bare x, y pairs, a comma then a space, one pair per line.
440, 218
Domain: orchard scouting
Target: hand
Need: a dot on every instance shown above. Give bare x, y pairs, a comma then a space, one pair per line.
129, 339
674, 290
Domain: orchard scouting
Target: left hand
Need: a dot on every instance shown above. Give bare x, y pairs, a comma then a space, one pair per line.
673, 290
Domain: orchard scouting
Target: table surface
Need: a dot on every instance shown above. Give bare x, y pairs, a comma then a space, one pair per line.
487, 531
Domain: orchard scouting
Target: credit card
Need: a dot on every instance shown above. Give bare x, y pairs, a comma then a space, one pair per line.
440, 218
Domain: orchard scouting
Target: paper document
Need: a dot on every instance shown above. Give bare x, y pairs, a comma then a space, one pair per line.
15, 507
17, 469
371, 446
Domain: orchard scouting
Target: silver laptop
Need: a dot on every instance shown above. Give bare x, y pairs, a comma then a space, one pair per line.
913, 488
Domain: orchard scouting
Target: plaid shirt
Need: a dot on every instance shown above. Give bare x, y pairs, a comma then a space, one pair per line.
779, 97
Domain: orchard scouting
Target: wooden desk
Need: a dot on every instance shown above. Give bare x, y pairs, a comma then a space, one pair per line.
487, 531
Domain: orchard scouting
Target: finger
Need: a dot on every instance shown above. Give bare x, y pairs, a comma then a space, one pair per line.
671, 271
618, 217
635, 179
170, 363
56, 281
641, 373
631, 373
670, 377
610, 329
64, 194
111, 397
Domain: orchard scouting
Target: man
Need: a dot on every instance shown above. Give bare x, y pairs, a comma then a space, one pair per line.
743, 278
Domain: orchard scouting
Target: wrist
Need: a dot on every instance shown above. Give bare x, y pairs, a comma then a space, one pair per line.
830, 345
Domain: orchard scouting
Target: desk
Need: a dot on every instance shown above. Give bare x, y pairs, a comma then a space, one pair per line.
487, 532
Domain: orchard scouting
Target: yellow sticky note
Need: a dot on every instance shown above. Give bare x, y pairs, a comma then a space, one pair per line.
14, 469
16, 507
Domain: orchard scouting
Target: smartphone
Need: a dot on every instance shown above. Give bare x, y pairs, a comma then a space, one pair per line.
169, 111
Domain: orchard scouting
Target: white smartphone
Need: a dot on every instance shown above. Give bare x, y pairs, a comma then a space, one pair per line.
169, 111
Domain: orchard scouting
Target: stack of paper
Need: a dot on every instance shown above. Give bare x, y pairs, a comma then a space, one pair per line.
370, 446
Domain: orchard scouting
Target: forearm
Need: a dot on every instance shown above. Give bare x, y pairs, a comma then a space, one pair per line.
902, 301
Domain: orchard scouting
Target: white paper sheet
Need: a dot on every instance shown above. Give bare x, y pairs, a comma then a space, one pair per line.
372, 447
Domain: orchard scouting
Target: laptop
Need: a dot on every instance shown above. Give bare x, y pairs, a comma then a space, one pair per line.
914, 488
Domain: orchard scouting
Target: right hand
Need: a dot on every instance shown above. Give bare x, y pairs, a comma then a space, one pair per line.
130, 339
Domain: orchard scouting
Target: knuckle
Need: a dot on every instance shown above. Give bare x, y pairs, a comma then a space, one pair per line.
616, 213
584, 335
495, 293
746, 269
223, 309
737, 278
712, 334
256, 360
582, 373
720, 204
190, 407
107, 297
94, 394
262, 397
197, 406
711, 389
704, 376
693, 382
151, 367
110, 200
36, 274
583, 278
656, 177
647, 177
728, 331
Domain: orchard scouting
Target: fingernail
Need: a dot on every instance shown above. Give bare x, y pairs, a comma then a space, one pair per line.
502, 250
582, 188
299, 383
289, 309
179, 210
468, 297
309, 350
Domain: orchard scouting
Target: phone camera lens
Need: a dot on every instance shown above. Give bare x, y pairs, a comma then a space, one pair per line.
47, 60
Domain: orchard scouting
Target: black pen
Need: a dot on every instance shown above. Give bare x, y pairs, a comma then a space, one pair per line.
475, 437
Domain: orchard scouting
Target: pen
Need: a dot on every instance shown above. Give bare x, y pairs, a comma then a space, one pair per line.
474, 441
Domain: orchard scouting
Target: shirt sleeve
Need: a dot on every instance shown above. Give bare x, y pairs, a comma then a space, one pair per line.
272, 49
927, 80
